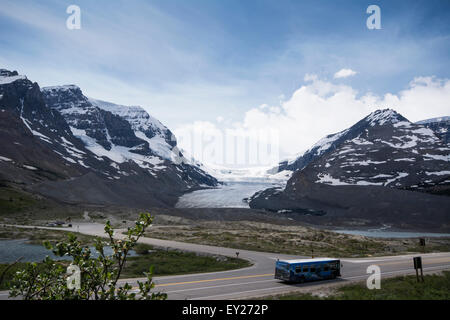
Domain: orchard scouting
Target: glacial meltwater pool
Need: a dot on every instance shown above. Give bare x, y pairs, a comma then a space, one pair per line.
11, 250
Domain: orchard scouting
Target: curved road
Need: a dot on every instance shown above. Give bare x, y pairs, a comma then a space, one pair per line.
257, 280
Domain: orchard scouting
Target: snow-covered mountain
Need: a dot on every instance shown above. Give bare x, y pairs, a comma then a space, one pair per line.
86, 150
365, 170
33, 136
159, 138
333, 141
382, 149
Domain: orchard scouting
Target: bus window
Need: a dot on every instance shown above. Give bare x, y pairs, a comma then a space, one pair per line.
312, 269
298, 269
284, 265
326, 268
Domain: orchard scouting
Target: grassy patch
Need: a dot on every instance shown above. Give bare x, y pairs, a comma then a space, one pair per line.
12, 201
296, 240
435, 287
20, 207
172, 262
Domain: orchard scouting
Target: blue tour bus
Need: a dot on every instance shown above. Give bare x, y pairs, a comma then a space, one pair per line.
307, 269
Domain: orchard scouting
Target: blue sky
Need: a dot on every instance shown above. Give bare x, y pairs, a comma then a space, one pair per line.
194, 60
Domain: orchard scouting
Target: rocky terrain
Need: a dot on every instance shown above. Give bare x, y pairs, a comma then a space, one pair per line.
366, 173
62, 145
383, 149
440, 126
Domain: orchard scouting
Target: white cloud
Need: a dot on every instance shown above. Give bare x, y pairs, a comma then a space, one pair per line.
320, 108
310, 77
344, 73
219, 119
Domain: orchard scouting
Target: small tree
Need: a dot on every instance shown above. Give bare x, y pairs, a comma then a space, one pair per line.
99, 276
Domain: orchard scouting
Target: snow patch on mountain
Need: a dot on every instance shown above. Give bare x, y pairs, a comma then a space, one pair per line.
438, 173
380, 117
400, 175
432, 120
28, 125
10, 79
118, 154
5, 159
328, 179
437, 157
325, 143
158, 145
142, 123
136, 115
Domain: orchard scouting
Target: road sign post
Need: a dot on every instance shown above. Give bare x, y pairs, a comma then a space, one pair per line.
422, 242
417, 266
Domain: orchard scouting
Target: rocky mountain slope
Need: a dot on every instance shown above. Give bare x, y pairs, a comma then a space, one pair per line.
383, 149
62, 145
440, 126
357, 173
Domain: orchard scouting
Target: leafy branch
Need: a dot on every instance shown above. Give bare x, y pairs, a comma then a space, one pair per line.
99, 276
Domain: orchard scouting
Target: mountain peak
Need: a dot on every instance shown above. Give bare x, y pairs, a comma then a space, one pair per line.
382, 116
67, 87
57, 137
116, 108
7, 76
7, 73
65, 96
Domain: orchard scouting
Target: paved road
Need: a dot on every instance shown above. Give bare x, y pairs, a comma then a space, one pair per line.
258, 279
